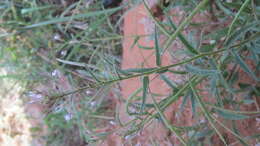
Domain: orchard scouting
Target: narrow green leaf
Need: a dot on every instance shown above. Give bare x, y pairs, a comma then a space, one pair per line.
213, 84
69, 18
254, 51
232, 132
157, 49
199, 71
256, 47
92, 74
137, 70
169, 82
206, 112
184, 101
71, 62
137, 38
129, 99
223, 8
237, 15
184, 23
244, 66
231, 116
94, 27
190, 48
167, 124
145, 89
145, 47
177, 72
203, 133
207, 48
240, 33
28, 10
193, 104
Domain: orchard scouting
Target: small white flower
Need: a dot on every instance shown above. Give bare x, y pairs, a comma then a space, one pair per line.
68, 117
56, 37
63, 53
112, 122
35, 97
127, 137
88, 92
212, 42
55, 73
73, 42
93, 104
202, 121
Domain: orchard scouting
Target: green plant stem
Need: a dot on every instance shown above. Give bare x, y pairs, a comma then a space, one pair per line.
156, 70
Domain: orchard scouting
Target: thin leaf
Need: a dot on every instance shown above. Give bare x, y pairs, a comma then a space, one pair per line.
145, 48
129, 99
213, 84
206, 112
231, 116
177, 72
240, 33
199, 71
169, 82
184, 23
184, 101
244, 66
237, 15
157, 49
145, 89
137, 70
190, 48
167, 124
203, 133
71, 63
28, 10
137, 38
69, 18
193, 104
232, 132
223, 8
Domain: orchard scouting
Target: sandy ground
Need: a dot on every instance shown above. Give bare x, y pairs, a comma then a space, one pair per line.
14, 125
